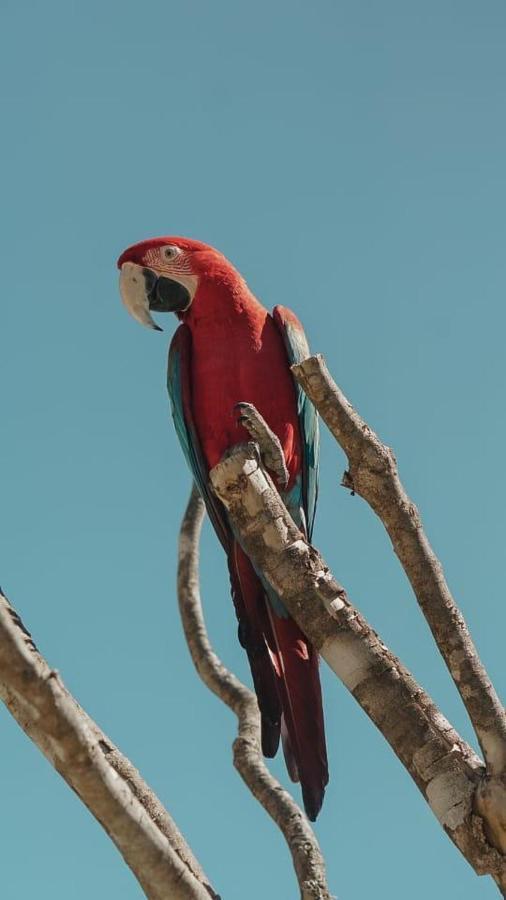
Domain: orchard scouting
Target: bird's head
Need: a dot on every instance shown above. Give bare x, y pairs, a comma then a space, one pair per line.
164, 274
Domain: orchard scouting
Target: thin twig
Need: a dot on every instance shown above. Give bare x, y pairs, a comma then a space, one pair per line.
373, 475
444, 767
306, 854
106, 782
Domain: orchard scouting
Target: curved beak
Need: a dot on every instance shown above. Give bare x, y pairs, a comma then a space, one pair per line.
142, 290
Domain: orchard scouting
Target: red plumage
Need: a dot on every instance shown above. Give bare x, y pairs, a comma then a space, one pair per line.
236, 353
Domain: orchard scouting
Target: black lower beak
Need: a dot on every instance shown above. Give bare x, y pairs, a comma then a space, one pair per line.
164, 294
142, 290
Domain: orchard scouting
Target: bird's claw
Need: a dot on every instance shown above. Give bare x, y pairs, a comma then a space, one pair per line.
269, 444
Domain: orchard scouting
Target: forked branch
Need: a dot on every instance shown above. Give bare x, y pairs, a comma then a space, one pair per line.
372, 473
444, 767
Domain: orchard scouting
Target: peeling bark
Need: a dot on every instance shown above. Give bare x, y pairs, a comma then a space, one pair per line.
490, 803
105, 781
444, 767
306, 854
373, 475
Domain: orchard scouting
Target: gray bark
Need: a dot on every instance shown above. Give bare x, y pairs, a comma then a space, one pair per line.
373, 475
106, 782
444, 767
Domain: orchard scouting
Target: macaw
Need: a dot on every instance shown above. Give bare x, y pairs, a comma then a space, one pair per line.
230, 354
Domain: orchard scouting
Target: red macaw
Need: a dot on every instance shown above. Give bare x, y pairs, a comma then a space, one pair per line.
230, 351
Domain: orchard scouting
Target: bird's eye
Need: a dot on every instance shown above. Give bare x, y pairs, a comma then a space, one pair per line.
170, 252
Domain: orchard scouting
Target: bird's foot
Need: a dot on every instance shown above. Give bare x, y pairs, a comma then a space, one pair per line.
269, 444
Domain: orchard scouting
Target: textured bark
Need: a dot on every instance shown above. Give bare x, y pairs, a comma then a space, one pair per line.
444, 767
373, 475
105, 781
306, 854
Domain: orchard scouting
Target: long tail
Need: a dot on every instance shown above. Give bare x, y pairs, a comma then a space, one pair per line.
287, 683
249, 601
303, 730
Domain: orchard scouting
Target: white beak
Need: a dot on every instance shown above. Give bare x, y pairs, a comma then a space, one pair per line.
134, 293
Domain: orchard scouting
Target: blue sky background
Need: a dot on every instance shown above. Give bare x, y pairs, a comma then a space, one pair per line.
349, 158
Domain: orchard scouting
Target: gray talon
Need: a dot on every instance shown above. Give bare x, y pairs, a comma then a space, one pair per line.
269, 444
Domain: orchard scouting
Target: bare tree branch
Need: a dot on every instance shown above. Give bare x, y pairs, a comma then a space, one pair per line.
444, 767
306, 854
373, 474
105, 781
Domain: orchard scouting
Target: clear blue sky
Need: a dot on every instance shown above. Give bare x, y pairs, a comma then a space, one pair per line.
349, 157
